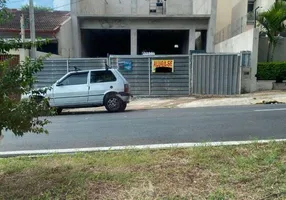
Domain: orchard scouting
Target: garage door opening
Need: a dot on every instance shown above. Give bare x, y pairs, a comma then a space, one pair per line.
163, 41
99, 43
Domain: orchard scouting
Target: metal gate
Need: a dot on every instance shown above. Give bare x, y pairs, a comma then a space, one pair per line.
216, 74
146, 83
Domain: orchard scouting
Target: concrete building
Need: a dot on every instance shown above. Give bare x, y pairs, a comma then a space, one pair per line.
237, 16
133, 26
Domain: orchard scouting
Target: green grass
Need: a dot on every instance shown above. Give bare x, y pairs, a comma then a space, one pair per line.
256, 171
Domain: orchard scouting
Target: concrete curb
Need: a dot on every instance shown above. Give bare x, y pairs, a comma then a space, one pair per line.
138, 147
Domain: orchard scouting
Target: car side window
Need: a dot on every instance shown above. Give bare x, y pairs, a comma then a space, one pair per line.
102, 77
75, 79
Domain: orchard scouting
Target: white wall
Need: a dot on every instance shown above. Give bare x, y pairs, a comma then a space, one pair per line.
241, 42
247, 41
223, 17
265, 4
239, 10
65, 39
265, 85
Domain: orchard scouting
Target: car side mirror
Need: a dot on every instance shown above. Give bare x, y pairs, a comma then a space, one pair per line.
59, 84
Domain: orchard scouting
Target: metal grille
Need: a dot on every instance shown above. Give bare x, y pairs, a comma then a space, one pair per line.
216, 74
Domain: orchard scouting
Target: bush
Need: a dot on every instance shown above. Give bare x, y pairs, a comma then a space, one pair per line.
272, 71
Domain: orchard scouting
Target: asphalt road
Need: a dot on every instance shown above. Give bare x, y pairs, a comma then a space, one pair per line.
160, 126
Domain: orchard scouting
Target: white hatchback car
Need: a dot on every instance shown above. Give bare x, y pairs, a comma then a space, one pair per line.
92, 88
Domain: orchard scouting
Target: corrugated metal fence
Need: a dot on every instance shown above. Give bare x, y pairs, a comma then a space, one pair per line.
144, 82
54, 69
218, 74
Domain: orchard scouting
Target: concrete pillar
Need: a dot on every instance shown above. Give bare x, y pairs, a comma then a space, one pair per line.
23, 53
212, 28
133, 43
192, 39
76, 36
254, 60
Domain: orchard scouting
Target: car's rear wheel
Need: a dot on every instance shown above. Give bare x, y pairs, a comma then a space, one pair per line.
113, 103
123, 107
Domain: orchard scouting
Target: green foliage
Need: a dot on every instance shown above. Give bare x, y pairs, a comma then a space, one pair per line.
272, 71
272, 23
4, 14
15, 79
37, 8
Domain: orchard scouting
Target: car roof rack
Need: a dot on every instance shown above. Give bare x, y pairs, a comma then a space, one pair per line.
76, 69
107, 67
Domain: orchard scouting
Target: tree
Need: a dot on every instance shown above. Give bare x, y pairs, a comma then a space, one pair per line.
272, 23
15, 79
37, 8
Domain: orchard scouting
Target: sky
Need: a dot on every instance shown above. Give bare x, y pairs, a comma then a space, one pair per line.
57, 4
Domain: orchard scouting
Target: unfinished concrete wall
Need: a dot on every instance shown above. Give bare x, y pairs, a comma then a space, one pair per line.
247, 41
142, 7
139, 7
202, 7
65, 39
122, 7
88, 7
181, 7
163, 24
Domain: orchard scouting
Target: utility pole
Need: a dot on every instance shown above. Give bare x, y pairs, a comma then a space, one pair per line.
22, 21
32, 28
22, 50
255, 15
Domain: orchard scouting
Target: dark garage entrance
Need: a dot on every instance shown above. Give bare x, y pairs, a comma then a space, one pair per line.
100, 42
163, 41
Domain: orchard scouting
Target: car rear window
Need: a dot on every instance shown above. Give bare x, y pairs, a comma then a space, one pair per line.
102, 76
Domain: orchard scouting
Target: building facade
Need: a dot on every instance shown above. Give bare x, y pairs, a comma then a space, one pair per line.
133, 26
237, 16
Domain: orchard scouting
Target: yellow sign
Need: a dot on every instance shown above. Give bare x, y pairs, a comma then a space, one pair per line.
162, 66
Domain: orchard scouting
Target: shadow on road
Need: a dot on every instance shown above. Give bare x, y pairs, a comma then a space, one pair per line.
97, 112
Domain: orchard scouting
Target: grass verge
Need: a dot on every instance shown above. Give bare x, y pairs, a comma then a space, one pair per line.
256, 171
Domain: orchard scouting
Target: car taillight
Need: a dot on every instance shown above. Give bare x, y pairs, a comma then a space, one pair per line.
126, 88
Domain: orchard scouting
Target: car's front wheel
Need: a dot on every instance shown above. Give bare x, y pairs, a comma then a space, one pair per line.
59, 111
113, 104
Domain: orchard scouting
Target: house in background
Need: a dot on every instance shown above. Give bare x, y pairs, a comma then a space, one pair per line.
125, 27
54, 26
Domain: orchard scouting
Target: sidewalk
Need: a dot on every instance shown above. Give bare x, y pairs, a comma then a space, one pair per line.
199, 101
